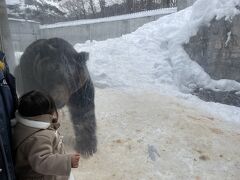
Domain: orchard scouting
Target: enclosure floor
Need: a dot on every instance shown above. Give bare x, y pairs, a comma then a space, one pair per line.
149, 136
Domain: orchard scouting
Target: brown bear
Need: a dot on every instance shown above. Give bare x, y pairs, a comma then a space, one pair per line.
54, 66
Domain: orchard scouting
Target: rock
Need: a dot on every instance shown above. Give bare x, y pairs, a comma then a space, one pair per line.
216, 48
204, 157
152, 152
224, 97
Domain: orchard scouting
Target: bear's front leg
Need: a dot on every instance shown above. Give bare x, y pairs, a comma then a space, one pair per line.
82, 110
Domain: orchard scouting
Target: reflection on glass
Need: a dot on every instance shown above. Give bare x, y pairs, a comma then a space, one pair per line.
166, 75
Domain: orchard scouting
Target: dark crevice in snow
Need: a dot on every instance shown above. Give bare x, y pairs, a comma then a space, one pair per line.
224, 97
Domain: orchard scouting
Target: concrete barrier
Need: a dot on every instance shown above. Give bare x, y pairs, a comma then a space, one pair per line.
24, 32
103, 28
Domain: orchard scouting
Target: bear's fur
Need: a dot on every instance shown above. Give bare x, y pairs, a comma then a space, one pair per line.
54, 66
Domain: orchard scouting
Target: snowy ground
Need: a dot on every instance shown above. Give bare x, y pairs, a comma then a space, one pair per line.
150, 136
149, 126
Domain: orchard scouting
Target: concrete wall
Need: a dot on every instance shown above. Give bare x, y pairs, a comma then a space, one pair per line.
23, 33
182, 4
97, 31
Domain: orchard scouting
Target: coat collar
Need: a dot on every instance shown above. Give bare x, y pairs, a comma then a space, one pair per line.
33, 124
38, 122
27, 126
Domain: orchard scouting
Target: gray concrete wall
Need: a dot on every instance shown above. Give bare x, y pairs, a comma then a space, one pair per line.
23, 33
182, 4
97, 31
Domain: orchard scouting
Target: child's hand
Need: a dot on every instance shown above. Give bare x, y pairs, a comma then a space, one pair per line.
75, 160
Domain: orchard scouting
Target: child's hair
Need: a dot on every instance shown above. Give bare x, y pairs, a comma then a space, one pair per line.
36, 103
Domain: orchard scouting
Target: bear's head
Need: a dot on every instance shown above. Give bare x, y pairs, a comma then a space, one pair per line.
54, 66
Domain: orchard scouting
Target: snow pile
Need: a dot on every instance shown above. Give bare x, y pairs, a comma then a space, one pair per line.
153, 57
12, 2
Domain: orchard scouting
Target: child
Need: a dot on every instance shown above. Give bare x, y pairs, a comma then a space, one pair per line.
39, 151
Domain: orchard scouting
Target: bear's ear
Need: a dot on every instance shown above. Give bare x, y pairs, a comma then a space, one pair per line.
83, 56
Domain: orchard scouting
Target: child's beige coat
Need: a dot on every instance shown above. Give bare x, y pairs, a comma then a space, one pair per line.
39, 150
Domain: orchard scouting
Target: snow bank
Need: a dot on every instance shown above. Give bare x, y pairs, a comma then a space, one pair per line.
153, 57
12, 2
